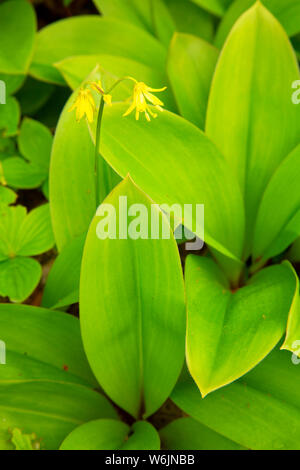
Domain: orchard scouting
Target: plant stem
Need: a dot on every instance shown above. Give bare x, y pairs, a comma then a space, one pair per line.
98, 133
97, 156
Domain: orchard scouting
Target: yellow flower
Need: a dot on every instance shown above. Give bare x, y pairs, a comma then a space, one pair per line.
98, 87
141, 94
84, 105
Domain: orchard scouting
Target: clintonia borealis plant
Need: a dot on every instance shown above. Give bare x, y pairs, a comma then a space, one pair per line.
170, 114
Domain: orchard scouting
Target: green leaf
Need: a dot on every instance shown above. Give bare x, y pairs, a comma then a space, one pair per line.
143, 436
191, 19
19, 277
103, 434
20, 174
12, 82
72, 178
35, 232
108, 434
22, 235
164, 25
129, 337
72, 186
17, 32
76, 69
273, 235
217, 7
7, 147
35, 142
228, 333
25, 235
291, 342
198, 60
7, 196
9, 117
51, 410
254, 122
132, 11
260, 411
54, 352
189, 434
10, 220
63, 280
164, 171
84, 35
287, 13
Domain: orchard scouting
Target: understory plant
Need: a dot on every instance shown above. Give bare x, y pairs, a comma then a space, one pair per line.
172, 103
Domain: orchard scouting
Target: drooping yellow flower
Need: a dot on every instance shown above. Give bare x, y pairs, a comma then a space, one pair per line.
97, 86
141, 94
84, 105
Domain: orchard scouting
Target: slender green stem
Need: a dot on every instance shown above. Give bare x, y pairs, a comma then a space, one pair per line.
98, 133
97, 155
118, 82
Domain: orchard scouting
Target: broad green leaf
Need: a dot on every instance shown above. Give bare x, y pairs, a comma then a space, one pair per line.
260, 411
273, 235
72, 177
217, 7
7, 196
197, 58
11, 219
84, 35
45, 188
7, 147
17, 33
25, 234
163, 23
42, 344
132, 308
292, 341
103, 434
189, 434
35, 142
108, 434
72, 186
20, 174
19, 277
9, 117
12, 82
63, 279
143, 436
251, 117
51, 410
228, 333
35, 232
164, 171
191, 19
287, 12
22, 235
76, 69
135, 12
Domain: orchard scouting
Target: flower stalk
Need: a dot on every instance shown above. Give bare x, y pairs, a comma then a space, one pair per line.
84, 105
97, 150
